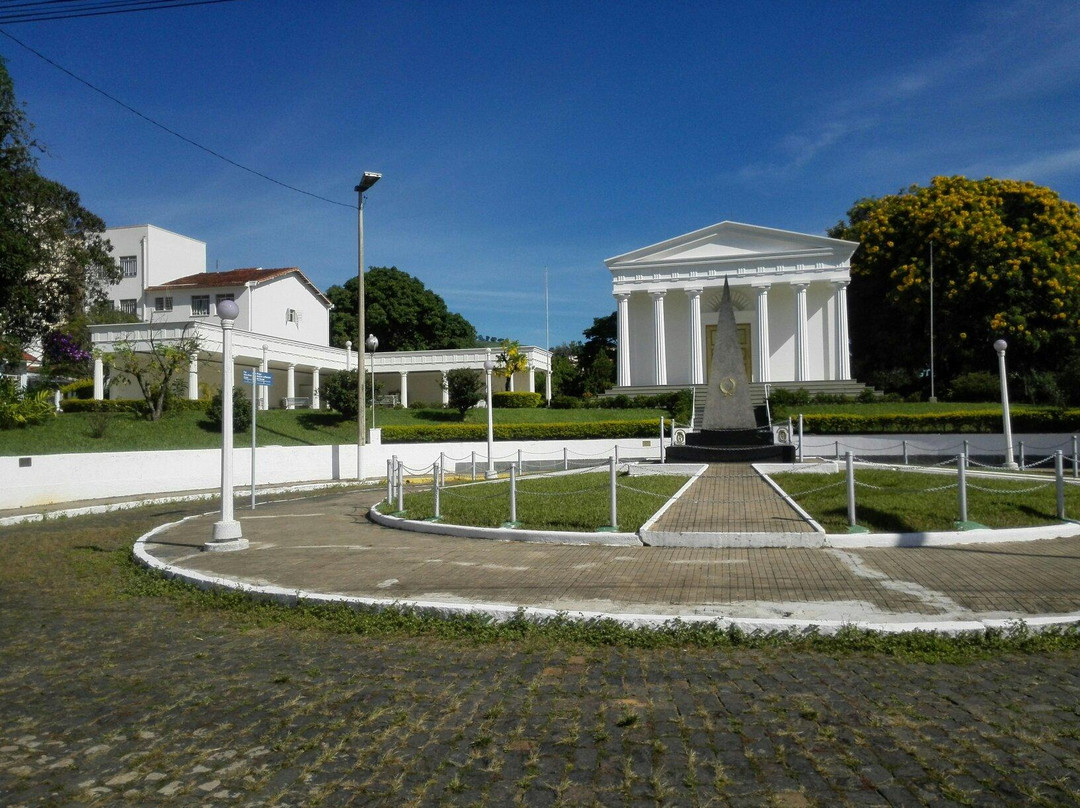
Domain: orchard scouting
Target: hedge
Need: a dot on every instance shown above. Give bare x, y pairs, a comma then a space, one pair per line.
478, 432
130, 405
958, 421
515, 399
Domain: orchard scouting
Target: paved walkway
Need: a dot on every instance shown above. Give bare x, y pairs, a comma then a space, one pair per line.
325, 544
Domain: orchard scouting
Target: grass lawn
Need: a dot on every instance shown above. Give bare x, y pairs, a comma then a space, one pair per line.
126, 432
567, 502
906, 502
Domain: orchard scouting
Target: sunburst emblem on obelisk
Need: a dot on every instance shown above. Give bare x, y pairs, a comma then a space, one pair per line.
727, 404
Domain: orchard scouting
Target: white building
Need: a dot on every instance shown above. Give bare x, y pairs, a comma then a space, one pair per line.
283, 327
790, 296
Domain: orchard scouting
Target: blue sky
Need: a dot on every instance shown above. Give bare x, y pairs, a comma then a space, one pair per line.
515, 137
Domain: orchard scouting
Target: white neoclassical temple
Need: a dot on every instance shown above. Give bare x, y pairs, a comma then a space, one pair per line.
790, 296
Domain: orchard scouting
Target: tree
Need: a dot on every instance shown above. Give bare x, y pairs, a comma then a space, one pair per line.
510, 360
157, 371
339, 390
597, 360
565, 376
241, 408
403, 313
464, 387
54, 259
1006, 264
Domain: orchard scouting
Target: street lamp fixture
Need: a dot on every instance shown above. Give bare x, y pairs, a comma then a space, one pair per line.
369, 179
372, 343
227, 534
489, 365
1000, 347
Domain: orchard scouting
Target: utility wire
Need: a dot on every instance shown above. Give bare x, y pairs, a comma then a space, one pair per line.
172, 132
70, 9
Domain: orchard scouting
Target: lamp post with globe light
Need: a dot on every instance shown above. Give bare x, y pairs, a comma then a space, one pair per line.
489, 365
372, 343
227, 534
369, 179
1000, 347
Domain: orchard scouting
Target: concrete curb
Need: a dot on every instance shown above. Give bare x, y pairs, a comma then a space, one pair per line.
503, 612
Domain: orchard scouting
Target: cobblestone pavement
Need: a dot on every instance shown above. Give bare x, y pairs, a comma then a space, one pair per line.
111, 699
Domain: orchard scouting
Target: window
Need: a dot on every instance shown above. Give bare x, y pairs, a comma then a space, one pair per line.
292, 316
226, 296
200, 305
128, 306
162, 304
129, 264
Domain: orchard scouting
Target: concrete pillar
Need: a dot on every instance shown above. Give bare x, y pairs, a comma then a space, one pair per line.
193, 376
404, 388
764, 351
531, 378
547, 386
801, 364
660, 376
99, 378
622, 350
290, 386
843, 350
348, 354
445, 390
315, 398
697, 363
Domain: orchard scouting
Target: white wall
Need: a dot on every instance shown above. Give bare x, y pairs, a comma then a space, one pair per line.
161, 256
272, 299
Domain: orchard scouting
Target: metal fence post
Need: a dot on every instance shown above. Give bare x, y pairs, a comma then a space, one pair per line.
472, 460
435, 482
1059, 475
800, 437
389, 481
905, 452
1076, 460
837, 449
442, 469
1021, 456
513, 492
850, 490
520, 466
961, 484
615, 449
565, 459
662, 439
400, 486
965, 450
614, 514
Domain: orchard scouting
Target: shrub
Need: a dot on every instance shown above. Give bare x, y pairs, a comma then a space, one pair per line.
94, 405
81, 389
565, 403
981, 386
779, 397
512, 399
478, 432
18, 409
962, 421
241, 419
339, 391
418, 405
464, 388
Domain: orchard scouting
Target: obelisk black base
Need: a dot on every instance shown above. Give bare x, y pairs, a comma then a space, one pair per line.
731, 446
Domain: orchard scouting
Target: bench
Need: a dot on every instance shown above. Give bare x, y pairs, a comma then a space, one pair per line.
293, 403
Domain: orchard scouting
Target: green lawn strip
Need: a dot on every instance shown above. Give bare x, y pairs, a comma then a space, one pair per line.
578, 502
128, 432
85, 563
905, 502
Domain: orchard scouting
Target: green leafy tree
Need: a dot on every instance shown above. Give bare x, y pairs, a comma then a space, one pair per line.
155, 365
1006, 265
403, 313
464, 387
54, 259
340, 391
597, 359
566, 378
510, 360
241, 407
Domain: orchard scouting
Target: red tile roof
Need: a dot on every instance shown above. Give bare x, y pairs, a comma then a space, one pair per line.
233, 277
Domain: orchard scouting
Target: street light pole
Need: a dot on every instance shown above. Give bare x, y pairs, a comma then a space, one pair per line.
1000, 347
227, 534
489, 365
369, 179
372, 343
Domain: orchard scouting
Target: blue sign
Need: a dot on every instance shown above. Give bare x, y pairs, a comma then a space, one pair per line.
261, 379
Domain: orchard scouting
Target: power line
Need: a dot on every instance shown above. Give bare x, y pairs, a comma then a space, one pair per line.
48, 10
172, 132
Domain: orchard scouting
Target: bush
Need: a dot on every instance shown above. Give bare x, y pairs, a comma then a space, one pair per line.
339, 391
979, 386
95, 405
962, 421
779, 397
478, 432
418, 405
241, 419
18, 409
512, 399
565, 403
464, 388
81, 389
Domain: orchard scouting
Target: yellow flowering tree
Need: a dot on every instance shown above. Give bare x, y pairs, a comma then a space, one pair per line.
1006, 264
510, 360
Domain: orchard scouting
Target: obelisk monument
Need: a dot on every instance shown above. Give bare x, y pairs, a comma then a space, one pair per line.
727, 402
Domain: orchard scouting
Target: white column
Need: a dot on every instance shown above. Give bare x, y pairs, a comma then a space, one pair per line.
531, 378
512, 382
843, 351
622, 350
290, 386
193, 376
764, 351
99, 378
697, 364
547, 385
315, 398
801, 367
404, 389
661, 343
348, 354
264, 392
445, 390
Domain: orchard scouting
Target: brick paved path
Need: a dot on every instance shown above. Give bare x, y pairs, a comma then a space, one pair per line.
731, 498
107, 699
